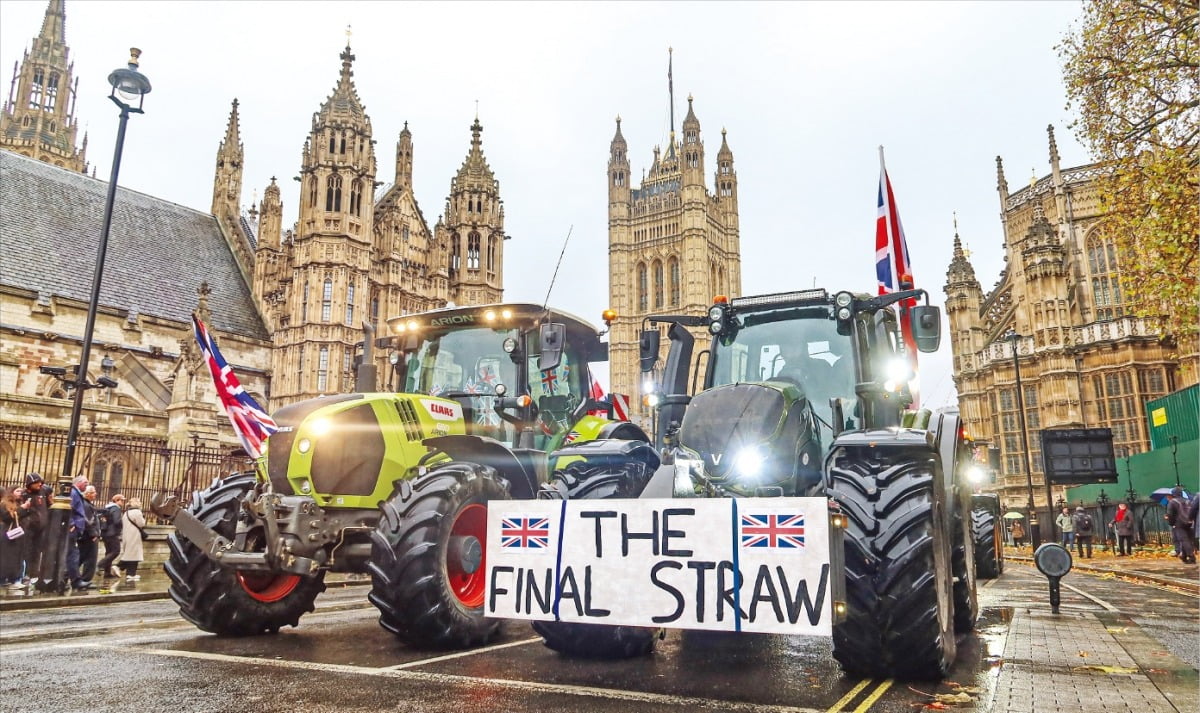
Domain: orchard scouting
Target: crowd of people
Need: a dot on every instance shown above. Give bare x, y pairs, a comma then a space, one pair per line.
118, 525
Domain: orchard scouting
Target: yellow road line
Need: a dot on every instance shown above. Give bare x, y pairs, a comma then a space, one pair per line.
879, 691
837, 707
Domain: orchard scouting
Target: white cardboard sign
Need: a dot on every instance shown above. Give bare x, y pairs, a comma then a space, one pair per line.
723, 564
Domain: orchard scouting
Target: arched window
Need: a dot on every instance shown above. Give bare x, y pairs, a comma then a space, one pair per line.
342, 149
350, 303
333, 193
1106, 289
473, 251
108, 472
491, 253
332, 143
674, 271
312, 191
354, 196
327, 300
299, 371
37, 89
404, 233
347, 375
304, 304
643, 302
323, 369
455, 255
658, 284
51, 93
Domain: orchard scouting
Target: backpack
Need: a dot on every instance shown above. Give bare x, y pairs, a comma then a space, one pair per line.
1085, 522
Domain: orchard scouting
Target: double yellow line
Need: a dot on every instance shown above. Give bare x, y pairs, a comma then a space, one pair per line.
879, 690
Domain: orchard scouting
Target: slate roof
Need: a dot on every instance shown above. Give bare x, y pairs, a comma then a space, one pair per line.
158, 252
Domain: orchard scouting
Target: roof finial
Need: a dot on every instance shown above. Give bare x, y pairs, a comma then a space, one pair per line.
476, 110
955, 216
1032, 177
348, 33
671, 85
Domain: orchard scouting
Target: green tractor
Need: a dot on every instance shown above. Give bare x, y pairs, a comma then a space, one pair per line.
490, 403
805, 394
988, 527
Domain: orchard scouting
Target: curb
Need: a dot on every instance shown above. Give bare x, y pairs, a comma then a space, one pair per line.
1192, 586
56, 601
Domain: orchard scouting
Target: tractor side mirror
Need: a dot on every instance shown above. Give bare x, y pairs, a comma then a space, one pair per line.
552, 336
648, 349
926, 323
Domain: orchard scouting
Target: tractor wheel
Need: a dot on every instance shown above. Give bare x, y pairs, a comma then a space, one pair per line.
987, 564
221, 600
428, 567
966, 606
900, 611
580, 481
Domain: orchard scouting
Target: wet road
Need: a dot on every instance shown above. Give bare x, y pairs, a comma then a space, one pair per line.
142, 656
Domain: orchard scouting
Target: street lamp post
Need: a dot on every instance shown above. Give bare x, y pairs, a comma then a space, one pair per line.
129, 88
1103, 500
1175, 458
1035, 531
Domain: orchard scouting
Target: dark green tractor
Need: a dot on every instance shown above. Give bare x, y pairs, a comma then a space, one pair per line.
805, 394
484, 403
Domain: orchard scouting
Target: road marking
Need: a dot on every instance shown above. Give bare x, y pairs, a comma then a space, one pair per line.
447, 657
1098, 600
869, 700
837, 707
686, 702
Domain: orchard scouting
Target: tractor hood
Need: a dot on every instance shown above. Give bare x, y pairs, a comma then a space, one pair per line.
751, 436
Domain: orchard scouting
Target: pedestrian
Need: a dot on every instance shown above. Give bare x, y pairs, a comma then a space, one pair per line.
11, 534
1178, 509
76, 531
112, 518
89, 544
1085, 528
1122, 523
1066, 524
1018, 534
36, 503
132, 527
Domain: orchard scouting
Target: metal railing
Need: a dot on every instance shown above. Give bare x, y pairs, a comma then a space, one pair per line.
132, 465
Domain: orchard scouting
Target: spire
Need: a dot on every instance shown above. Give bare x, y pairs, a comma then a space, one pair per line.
671, 99
404, 158
725, 151
1001, 182
54, 26
960, 270
475, 168
690, 121
344, 99
232, 131
1053, 144
618, 138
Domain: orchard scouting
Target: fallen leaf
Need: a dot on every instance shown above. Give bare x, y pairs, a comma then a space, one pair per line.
1083, 654
936, 706
1112, 670
1117, 629
952, 698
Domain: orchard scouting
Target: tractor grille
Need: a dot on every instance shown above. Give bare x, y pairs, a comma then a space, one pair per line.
720, 422
279, 445
410, 421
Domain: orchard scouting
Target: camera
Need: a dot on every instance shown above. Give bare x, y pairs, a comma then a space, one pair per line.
106, 382
53, 370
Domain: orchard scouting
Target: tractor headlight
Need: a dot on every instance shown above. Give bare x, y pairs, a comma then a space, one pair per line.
748, 463
648, 386
716, 313
975, 474
843, 313
490, 315
319, 427
843, 299
510, 345
716, 327
651, 400
896, 373
303, 445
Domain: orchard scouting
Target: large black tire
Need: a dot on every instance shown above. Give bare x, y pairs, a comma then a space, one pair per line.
962, 564
426, 595
983, 526
579, 480
221, 600
899, 620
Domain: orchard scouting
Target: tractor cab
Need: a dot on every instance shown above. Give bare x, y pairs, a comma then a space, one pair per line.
519, 371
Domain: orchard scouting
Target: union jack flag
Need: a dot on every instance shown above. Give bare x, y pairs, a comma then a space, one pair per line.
525, 533
250, 422
892, 264
550, 381
437, 390
783, 531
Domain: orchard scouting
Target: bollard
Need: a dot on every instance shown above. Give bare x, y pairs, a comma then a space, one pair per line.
1054, 561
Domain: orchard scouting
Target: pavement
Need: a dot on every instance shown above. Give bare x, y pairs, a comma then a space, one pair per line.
1148, 565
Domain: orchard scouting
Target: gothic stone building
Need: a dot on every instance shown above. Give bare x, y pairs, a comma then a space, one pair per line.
286, 306
672, 245
1085, 360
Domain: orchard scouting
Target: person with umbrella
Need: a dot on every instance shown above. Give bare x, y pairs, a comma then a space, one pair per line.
1018, 534
1178, 517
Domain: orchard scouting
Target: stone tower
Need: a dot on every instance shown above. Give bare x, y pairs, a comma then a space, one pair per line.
38, 120
472, 228
672, 245
227, 195
327, 296
1086, 360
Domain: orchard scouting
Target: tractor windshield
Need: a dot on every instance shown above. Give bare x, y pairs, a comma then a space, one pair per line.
800, 346
464, 361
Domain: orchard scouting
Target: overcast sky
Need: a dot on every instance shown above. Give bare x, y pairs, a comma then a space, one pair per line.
807, 91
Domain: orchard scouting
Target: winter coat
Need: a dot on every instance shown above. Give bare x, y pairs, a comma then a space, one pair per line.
39, 509
1084, 524
112, 520
1124, 526
10, 550
1065, 523
131, 536
78, 513
92, 530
